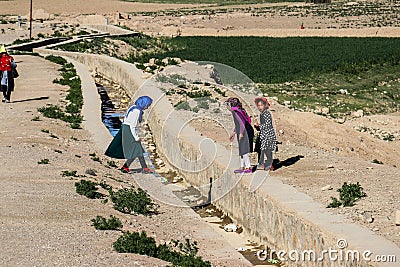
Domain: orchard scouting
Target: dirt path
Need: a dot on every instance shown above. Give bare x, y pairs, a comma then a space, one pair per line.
43, 222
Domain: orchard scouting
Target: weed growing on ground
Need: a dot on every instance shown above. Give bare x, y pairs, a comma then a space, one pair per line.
111, 163
377, 161
44, 161
71, 113
348, 195
128, 200
94, 157
101, 223
88, 189
69, 173
180, 254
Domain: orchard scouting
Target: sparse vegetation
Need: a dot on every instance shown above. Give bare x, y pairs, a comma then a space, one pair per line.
69, 173
128, 200
44, 161
112, 164
75, 98
377, 161
179, 254
348, 195
101, 223
87, 189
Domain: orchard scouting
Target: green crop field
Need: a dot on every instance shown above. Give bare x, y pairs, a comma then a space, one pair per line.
276, 60
343, 74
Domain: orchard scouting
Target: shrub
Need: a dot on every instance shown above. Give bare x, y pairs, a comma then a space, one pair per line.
56, 59
348, 195
69, 173
44, 161
101, 223
128, 200
140, 243
87, 189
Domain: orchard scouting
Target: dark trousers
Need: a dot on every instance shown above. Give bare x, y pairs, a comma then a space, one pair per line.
6, 92
141, 160
268, 162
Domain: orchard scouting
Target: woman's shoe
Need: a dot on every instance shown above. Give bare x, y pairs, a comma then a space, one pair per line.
146, 171
125, 169
260, 167
272, 168
248, 170
239, 171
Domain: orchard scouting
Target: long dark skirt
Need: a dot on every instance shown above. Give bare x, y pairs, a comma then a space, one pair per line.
246, 143
124, 146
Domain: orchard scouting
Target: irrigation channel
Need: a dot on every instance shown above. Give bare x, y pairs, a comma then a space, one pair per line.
114, 102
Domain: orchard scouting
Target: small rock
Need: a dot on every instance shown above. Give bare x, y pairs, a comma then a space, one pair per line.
325, 110
368, 217
230, 227
241, 249
91, 172
287, 103
351, 148
330, 166
327, 187
359, 113
375, 229
281, 131
336, 149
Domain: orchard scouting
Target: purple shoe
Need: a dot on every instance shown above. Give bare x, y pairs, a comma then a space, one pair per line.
248, 170
238, 171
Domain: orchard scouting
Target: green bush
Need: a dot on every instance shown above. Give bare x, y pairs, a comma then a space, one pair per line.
101, 223
69, 173
140, 243
348, 195
87, 189
56, 59
44, 161
128, 200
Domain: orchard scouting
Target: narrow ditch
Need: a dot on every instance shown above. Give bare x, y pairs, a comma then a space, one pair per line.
114, 102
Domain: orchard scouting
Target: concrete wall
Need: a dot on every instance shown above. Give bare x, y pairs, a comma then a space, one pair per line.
265, 207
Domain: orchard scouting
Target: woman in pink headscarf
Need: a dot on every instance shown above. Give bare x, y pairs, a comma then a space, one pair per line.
244, 133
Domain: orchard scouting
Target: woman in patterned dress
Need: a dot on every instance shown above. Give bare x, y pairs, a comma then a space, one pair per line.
267, 135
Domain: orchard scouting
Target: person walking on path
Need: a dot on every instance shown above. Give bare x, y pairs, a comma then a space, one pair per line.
126, 144
244, 133
267, 135
7, 64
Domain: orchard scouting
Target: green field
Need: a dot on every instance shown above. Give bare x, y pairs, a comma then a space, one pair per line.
276, 60
343, 74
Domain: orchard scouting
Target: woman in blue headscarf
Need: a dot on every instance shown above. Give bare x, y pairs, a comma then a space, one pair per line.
126, 144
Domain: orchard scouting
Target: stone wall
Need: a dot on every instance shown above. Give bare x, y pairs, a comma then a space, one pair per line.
278, 214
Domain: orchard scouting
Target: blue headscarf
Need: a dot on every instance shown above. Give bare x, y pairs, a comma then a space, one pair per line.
141, 103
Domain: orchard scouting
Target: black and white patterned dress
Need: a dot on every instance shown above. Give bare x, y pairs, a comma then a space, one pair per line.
267, 131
